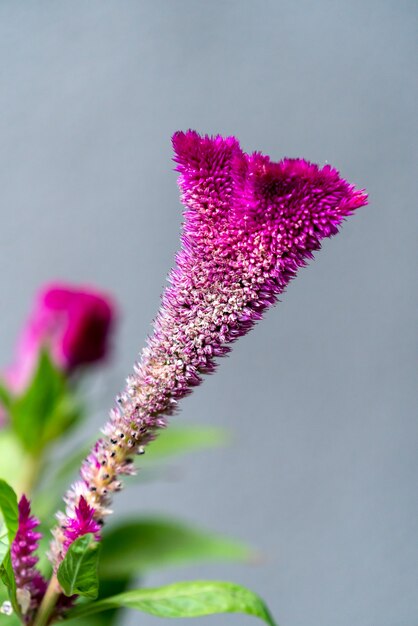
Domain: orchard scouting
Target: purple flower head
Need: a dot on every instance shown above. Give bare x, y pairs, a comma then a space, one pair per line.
81, 524
249, 225
73, 323
23, 548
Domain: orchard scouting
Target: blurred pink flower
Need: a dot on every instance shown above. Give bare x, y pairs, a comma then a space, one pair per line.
72, 323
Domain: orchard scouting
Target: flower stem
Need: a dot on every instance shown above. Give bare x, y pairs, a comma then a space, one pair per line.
33, 466
48, 603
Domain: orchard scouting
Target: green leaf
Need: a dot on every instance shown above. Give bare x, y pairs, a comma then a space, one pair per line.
33, 409
8, 577
174, 440
104, 619
12, 468
180, 439
10, 515
46, 409
8, 527
107, 618
140, 545
5, 396
186, 599
77, 573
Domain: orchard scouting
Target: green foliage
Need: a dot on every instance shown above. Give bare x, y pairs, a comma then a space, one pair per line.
140, 545
9, 512
171, 442
12, 468
8, 578
45, 410
8, 528
181, 439
77, 573
109, 617
185, 599
5, 396
175, 440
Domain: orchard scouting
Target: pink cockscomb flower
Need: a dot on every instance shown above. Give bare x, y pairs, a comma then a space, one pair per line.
72, 323
249, 225
30, 584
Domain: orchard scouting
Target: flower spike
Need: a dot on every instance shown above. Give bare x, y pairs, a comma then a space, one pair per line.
30, 584
249, 225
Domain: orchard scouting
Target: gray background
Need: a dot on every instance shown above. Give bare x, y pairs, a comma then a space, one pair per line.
322, 474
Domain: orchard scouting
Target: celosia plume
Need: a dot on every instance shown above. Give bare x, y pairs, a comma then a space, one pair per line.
249, 225
30, 584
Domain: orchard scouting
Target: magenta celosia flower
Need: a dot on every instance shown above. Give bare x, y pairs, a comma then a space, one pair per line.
30, 584
81, 523
249, 225
73, 323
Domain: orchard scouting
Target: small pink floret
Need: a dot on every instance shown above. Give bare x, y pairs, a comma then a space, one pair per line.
82, 523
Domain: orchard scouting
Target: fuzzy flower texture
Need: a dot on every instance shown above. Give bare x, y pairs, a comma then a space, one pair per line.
30, 584
249, 225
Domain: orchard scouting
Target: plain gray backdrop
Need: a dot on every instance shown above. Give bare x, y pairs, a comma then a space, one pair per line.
321, 476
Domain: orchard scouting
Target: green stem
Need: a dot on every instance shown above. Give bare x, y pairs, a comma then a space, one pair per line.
33, 466
48, 603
